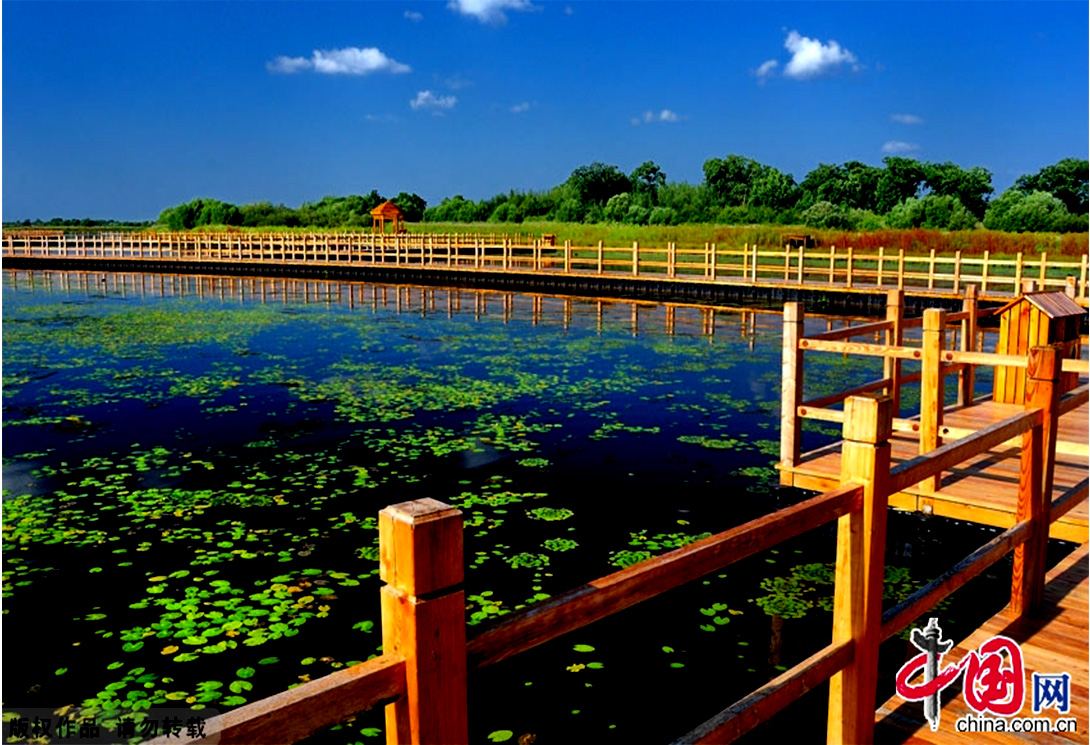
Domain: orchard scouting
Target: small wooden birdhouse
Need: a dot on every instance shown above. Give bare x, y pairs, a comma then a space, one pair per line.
1035, 320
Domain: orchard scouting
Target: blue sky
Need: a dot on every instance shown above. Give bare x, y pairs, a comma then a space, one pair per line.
122, 109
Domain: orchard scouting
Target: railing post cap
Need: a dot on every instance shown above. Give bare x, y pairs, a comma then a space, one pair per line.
420, 546
868, 418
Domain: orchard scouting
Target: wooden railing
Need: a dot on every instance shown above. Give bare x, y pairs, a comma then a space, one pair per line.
832, 267
936, 355
421, 675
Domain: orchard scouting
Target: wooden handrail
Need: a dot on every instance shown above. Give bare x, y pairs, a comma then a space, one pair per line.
908, 610
835, 398
851, 347
1069, 499
605, 596
985, 358
913, 471
299, 712
1073, 399
739, 718
850, 331
1082, 367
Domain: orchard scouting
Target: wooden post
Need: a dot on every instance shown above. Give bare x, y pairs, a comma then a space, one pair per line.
423, 620
957, 270
895, 311
745, 260
881, 261
901, 270
756, 259
600, 251
1044, 269
967, 377
635, 258
984, 276
794, 319
802, 263
1070, 287
715, 261
860, 566
1017, 272
671, 259
931, 388
851, 252
567, 257
786, 263
931, 271
832, 263
1084, 276
1035, 478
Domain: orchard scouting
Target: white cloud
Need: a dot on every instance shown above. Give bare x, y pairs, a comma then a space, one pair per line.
347, 61
810, 58
766, 70
520, 108
896, 146
906, 118
652, 117
428, 101
414, 16
488, 11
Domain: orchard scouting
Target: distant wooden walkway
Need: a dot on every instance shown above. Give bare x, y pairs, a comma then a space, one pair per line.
833, 269
1052, 642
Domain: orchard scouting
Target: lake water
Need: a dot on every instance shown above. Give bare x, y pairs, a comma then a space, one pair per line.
193, 467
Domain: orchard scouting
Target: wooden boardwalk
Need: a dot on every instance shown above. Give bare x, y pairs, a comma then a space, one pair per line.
983, 489
780, 269
1053, 642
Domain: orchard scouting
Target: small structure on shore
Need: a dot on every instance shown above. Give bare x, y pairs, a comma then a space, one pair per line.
1033, 320
387, 212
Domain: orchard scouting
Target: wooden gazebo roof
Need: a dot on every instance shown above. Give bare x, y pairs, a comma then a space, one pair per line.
387, 210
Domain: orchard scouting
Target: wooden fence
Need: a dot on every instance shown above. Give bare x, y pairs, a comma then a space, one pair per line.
948, 345
833, 268
421, 675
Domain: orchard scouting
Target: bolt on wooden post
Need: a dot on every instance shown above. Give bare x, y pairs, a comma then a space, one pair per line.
860, 568
423, 620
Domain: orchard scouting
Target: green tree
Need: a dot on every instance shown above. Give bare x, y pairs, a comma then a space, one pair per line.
934, 212
646, 180
1066, 180
901, 179
596, 183
971, 187
1016, 211
412, 205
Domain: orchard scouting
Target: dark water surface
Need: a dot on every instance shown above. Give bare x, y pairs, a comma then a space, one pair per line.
193, 467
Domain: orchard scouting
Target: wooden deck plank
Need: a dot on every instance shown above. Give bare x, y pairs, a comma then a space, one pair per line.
1054, 642
983, 488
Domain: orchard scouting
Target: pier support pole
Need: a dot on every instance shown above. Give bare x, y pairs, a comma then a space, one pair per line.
932, 389
791, 390
1035, 479
860, 568
967, 377
423, 620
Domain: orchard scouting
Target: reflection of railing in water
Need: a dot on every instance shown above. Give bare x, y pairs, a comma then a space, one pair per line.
538, 309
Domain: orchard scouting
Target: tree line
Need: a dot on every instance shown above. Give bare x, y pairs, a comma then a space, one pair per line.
901, 193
